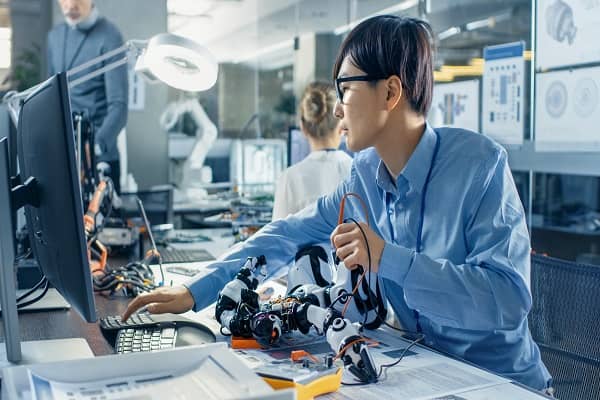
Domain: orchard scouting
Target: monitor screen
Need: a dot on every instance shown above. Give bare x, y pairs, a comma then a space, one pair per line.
258, 163
46, 152
263, 161
298, 147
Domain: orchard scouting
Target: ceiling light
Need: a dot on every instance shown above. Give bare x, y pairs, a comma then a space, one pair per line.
403, 6
266, 50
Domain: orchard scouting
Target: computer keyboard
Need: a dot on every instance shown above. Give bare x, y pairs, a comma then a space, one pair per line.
145, 332
173, 255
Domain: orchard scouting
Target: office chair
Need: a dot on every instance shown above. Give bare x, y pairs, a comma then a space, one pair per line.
564, 322
158, 204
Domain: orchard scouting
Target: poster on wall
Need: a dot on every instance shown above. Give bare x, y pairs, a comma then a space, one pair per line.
567, 110
455, 104
503, 93
567, 33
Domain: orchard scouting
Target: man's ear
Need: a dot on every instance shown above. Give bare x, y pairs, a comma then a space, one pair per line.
394, 92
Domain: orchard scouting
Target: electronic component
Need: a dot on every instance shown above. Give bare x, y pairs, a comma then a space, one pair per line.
238, 310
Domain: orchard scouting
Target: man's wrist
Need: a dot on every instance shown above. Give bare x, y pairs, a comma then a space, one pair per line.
377, 254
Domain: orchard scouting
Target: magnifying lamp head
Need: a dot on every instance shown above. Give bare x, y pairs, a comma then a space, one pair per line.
179, 62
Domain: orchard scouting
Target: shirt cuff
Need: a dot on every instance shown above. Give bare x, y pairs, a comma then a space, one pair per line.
204, 290
395, 262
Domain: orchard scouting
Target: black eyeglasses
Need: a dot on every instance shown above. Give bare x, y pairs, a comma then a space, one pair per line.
359, 78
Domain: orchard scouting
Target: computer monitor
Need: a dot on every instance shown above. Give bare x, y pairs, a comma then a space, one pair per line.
50, 193
297, 146
258, 163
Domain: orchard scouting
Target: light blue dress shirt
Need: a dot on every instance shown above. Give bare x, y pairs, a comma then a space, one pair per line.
468, 289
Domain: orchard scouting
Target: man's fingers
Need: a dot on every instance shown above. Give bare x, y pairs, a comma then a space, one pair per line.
352, 261
141, 301
345, 251
159, 308
344, 238
341, 229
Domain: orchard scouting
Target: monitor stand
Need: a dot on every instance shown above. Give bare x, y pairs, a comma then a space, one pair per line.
52, 300
39, 351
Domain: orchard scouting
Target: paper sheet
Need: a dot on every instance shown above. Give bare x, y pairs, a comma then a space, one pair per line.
403, 382
497, 392
193, 385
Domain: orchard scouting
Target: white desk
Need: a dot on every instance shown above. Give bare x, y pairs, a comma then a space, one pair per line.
424, 375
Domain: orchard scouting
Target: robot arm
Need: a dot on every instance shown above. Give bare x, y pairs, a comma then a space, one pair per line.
206, 134
238, 301
238, 311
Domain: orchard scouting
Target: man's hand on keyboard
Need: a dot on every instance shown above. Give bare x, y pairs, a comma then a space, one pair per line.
176, 300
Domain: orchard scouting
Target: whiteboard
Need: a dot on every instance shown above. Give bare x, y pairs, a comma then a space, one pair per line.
455, 104
567, 33
567, 112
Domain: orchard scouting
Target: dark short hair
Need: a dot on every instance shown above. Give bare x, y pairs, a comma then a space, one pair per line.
388, 45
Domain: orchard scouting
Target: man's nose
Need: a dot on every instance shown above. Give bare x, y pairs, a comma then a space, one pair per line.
338, 111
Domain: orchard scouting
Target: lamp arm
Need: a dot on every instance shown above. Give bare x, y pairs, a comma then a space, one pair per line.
93, 74
13, 99
133, 47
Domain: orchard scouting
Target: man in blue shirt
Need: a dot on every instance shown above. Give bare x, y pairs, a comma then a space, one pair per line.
447, 236
102, 100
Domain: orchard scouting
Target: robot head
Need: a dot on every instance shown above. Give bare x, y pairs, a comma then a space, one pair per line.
266, 328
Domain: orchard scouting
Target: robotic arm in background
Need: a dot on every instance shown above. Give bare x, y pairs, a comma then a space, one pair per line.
206, 134
311, 303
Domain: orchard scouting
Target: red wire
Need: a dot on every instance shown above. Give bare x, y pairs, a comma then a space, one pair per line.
343, 202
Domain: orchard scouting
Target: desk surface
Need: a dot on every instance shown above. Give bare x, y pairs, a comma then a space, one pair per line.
68, 324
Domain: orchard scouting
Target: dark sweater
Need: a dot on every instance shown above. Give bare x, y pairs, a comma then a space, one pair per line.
102, 99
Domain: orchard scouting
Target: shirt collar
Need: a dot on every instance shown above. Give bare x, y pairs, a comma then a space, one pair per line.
416, 169
321, 154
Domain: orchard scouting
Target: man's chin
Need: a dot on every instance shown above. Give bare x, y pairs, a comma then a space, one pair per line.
72, 21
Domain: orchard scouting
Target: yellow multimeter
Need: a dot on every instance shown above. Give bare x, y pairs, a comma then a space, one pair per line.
308, 381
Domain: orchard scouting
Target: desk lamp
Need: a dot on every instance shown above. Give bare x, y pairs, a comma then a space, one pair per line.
179, 62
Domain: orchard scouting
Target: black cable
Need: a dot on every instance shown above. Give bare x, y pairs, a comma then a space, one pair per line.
383, 368
32, 290
134, 276
368, 270
356, 383
341, 296
23, 256
35, 299
420, 336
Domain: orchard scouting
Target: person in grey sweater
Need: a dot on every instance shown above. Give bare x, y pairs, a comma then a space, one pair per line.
103, 99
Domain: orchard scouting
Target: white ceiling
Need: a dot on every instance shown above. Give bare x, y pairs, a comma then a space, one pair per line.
261, 32
240, 30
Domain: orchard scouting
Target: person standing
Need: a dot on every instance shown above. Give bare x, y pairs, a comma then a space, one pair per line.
101, 100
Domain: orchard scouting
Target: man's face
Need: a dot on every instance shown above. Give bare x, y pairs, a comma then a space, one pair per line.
362, 108
75, 10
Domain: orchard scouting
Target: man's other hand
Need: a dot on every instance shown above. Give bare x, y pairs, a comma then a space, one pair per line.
177, 299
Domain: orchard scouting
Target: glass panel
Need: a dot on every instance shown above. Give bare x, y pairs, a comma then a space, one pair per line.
566, 217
